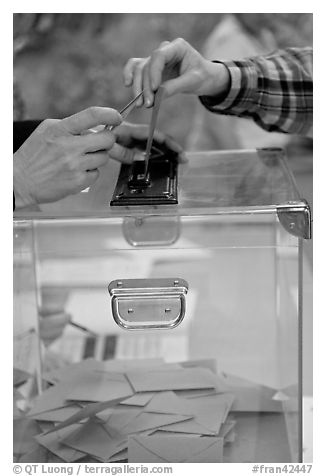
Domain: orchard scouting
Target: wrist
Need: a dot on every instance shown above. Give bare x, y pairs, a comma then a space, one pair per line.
23, 197
218, 79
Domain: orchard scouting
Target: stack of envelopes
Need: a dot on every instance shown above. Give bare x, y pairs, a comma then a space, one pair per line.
140, 411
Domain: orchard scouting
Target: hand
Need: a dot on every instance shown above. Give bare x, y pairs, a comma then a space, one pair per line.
58, 159
52, 314
179, 68
129, 136
52, 326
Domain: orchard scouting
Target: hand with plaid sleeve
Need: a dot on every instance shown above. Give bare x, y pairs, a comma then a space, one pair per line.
275, 90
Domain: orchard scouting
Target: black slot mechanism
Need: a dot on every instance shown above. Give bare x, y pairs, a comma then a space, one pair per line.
159, 187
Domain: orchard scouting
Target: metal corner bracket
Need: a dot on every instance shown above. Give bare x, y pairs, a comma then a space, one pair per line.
295, 217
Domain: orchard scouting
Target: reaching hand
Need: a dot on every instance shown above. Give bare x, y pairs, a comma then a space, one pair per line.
180, 68
52, 326
129, 136
58, 159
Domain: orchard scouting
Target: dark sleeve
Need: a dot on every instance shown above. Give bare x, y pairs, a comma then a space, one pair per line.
22, 130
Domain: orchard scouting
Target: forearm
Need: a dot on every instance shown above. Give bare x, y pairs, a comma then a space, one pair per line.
276, 91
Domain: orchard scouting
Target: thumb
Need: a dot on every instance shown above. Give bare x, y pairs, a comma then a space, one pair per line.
90, 118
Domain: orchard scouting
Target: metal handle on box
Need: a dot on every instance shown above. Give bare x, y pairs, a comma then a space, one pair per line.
139, 304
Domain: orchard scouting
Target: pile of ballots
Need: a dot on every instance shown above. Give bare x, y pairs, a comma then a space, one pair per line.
146, 411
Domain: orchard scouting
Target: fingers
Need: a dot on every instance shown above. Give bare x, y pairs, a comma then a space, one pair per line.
130, 135
128, 71
138, 82
163, 139
94, 160
148, 93
149, 73
127, 134
90, 178
96, 141
121, 154
132, 74
52, 326
167, 54
89, 118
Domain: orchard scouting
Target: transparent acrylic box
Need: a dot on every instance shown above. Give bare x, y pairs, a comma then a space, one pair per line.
235, 239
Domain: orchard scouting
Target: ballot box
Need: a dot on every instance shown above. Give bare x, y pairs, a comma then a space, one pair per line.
163, 325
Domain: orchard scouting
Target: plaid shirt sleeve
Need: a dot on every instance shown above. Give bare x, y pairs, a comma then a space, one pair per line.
276, 91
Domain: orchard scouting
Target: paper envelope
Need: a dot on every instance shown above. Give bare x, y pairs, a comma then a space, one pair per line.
53, 397
122, 456
125, 365
89, 411
210, 364
169, 402
175, 449
209, 414
139, 399
100, 387
120, 418
147, 421
52, 442
59, 414
85, 383
199, 392
249, 396
70, 371
23, 432
209, 401
174, 379
92, 439
226, 428
46, 426
189, 427
39, 454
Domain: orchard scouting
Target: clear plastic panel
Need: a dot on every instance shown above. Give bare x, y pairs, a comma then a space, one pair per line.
239, 341
209, 183
26, 343
241, 317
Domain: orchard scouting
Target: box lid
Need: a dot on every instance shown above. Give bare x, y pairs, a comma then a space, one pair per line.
212, 182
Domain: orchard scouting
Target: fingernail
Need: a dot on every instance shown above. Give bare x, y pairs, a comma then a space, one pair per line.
148, 102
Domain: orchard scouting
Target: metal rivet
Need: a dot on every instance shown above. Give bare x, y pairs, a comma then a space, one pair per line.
292, 225
119, 283
176, 282
130, 311
167, 309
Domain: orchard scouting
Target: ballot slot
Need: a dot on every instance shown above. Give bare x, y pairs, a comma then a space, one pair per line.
151, 179
158, 186
139, 304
